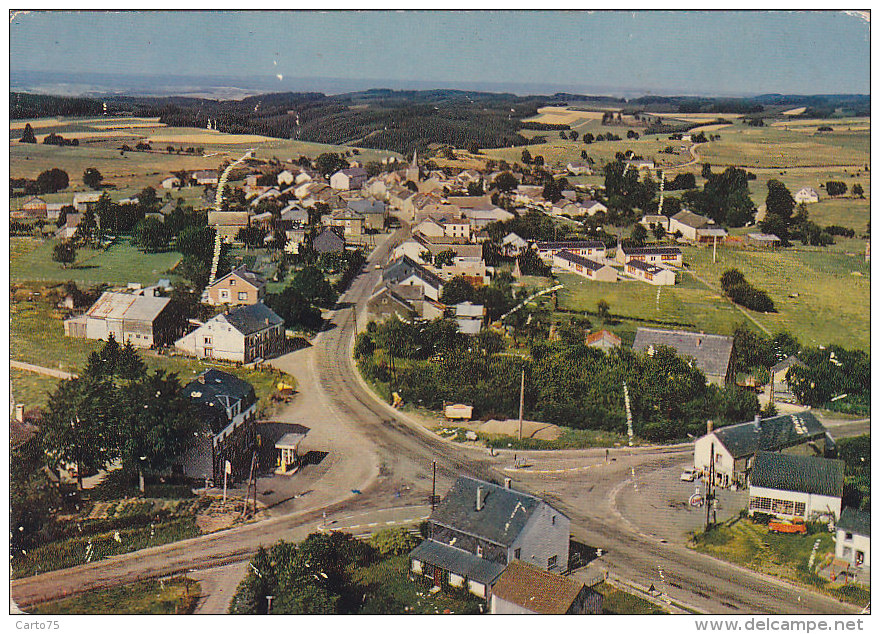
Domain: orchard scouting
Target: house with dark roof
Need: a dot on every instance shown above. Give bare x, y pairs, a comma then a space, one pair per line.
689, 224
711, 353
853, 539
328, 241
660, 256
226, 409
242, 334
349, 178
374, 212
405, 302
588, 268
526, 589
239, 287
407, 272
791, 485
650, 273
585, 248
479, 528
732, 449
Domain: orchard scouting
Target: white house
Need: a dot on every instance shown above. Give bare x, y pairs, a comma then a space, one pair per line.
242, 334
650, 273
407, 272
592, 249
349, 178
585, 267
789, 486
661, 256
735, 446
577, 169
688, 223
806, 195
512, 244
853, 538
171, 182
469, 317
285, 177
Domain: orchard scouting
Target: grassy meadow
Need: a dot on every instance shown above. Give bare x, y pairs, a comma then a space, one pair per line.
168, 596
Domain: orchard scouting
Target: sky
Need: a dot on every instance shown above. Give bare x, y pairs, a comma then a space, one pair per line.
660, 52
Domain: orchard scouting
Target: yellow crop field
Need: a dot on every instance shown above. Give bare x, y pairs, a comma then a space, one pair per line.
795, 111
204, 136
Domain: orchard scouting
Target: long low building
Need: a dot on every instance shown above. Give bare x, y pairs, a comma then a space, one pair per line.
665, 256
650, 273
142, 320
790, 485
585, 267
584, 248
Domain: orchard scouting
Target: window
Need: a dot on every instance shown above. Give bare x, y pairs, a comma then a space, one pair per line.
224, 294
551, 563
232, 282
517, 553
799, 508
760, 504
209, 341
242, 296
848, 537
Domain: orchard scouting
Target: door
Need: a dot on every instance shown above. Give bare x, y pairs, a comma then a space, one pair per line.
437, 575
860, 558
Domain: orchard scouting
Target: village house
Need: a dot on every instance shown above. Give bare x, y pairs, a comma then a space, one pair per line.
35, 207
660, 256
526, 589
585, 267
285, 177
650, 273
806, 195
649, 220
226, 407
53, 210
405, 302
457, 228
205, 177
735, 446
83, 200
711, 353
239, 287
779, 387
242, 334
144, 321
592, 249
469, 317
694, 227
602, 339
429, 227
789, 486
268, 193
349, 178
295, 215
351, 222
375, 212
639, 164
852, 542
68, 229
763, 240
263, 220
578, 169
328, 241
512, 245
479, 528
408, 272
228, 223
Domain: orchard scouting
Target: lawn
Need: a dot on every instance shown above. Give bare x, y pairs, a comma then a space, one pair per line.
31, 389
121, 263
616, 601
752, 545
806, 284
166, 596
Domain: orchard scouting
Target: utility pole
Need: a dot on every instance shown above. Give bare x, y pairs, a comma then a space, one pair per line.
714, 248
709, 495
522, 392
433, 485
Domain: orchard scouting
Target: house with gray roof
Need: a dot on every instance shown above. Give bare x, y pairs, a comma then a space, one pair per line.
225, 406
791, 485
593, 249
243, 334
406, 271
374, 212
480, 527
328, 241
142, 320
711, 353
853, 540
732, 449
588, 268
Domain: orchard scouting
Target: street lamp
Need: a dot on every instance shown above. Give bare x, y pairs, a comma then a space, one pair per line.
269, 598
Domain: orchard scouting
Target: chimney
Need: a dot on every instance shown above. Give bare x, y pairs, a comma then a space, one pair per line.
709, 426
19, 412
507, 482
481, 498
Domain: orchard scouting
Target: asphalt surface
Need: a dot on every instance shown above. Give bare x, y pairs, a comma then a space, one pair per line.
377, 458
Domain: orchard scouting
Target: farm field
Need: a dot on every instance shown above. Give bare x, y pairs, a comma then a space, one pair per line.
819, 279
31, 259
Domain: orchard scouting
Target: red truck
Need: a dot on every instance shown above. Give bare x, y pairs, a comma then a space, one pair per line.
796, 525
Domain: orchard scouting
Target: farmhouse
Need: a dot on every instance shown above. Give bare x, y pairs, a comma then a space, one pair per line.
142, 320
226, 407
650, 273
351, 222
83, 200
735, 446
661, 256
806, 195
640, 164
789, 486
237, 288
349, 178
35, 207
243, 334
205, 177
479, 528
584, 248
688, 223
603, 339
763, 240
526, 589
53, 210
853, 539
711, 353
585, 267
295, 215
285, 177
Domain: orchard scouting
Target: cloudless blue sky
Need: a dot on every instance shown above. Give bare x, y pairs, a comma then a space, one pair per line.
670, 52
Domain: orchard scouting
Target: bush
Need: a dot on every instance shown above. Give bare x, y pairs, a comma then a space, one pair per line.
395, 541
737, 288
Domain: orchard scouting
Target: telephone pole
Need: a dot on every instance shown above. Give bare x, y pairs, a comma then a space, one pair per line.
709, 495
522, 392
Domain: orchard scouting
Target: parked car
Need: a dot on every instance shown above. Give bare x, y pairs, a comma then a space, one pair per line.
796, 525
688, 475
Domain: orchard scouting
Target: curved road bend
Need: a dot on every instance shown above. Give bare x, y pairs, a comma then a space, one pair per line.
404, 455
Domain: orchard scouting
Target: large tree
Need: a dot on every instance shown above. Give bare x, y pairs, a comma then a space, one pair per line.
779, 200
330, 163
151, 235
92, 178
28, 136
64, 252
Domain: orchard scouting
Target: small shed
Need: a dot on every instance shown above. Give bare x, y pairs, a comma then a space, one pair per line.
288, 448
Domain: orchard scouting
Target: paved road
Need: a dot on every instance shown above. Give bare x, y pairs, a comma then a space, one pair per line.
385, 456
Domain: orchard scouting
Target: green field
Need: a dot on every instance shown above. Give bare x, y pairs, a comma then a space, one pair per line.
31, 389
168, 596
31, 259
616, 601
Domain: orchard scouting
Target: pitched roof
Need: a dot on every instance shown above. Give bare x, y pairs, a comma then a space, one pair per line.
711, 352
855, 521
253, 318
504, 514
646, 267
571, 244
228, 218
459, 561
328, 240
772, 434
691, 219
536, 590
582, 261
594, 337
804, 474
215, 388
352, 172
651, 250
125, 306
404, 266
365, 206
248, 276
